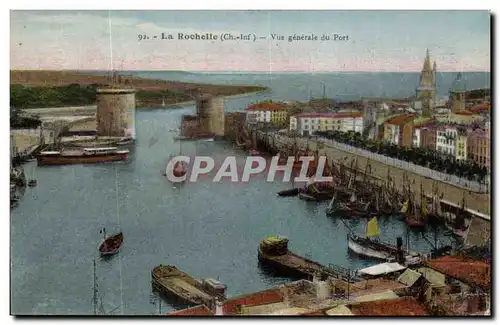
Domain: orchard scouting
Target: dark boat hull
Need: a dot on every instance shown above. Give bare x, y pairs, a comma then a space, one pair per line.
290, 192
111, 245
414, 223
80, 159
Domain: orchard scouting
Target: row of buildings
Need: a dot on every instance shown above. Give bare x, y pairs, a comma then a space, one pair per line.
459, 140
462, 135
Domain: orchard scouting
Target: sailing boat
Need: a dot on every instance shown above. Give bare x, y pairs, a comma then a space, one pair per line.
163, 101
416, 218
370, 246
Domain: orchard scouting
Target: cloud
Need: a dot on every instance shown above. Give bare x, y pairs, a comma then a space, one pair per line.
81, 40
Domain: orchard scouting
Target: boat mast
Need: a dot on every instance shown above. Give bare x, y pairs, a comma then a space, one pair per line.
95, 291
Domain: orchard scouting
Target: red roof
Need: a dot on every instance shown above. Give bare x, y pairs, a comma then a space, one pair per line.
464, 112
328, 115
193, 311
265, 106
404, 306
265, 297
481, 107
401, 119
463, 269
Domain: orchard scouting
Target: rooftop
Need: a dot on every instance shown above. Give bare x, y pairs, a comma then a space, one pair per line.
328, 115
464, 112
230, 306
481, 107
200, 310
463, 269
265, 106
404, 306
401, 119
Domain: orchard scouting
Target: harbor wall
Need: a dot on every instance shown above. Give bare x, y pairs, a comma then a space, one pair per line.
476, 201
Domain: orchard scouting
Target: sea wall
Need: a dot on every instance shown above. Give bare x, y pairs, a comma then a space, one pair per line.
476, 201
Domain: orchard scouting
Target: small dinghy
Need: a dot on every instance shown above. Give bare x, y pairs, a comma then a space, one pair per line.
111, 245
289, 192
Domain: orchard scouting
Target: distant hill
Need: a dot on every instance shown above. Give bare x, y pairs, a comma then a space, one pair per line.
150, 91
478, 93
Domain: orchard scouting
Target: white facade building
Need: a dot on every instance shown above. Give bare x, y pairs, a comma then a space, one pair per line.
446, 140
258, 116
308, 124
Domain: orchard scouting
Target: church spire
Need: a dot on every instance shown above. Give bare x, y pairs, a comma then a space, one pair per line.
427, 62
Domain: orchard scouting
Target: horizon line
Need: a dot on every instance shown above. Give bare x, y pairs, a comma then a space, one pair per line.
249, 71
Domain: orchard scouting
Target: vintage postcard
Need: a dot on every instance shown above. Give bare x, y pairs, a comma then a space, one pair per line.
222, 163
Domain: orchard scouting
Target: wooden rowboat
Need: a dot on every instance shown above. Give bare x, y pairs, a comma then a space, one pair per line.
111, 245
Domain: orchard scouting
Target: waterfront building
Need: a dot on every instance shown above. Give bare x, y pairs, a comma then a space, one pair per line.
478, 147
266, 112
427, 135
234, 121
446, 137
416, 128
426, 91
189, 125
393, 129
308, 123
461, 144
458, 93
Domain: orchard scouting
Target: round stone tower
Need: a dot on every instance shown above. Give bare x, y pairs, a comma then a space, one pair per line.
210, 112
116, 112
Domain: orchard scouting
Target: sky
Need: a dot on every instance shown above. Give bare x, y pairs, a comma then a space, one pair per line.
378, 41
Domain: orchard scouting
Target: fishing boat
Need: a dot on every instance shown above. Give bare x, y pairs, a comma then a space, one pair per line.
112, 244
414, 217
369, 246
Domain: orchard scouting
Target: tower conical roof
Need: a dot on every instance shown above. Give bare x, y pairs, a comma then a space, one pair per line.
427, 62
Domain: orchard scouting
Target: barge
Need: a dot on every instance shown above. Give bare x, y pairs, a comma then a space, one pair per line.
273, 253
181, 288
84, 156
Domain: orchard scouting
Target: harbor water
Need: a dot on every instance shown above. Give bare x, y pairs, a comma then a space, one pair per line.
206, 228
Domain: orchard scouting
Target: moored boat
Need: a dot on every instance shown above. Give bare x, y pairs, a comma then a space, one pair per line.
182, 288
289, 192
85, 156
369, 246
111, 245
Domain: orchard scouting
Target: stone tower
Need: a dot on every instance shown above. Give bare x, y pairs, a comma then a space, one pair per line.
426, 91
457, 94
